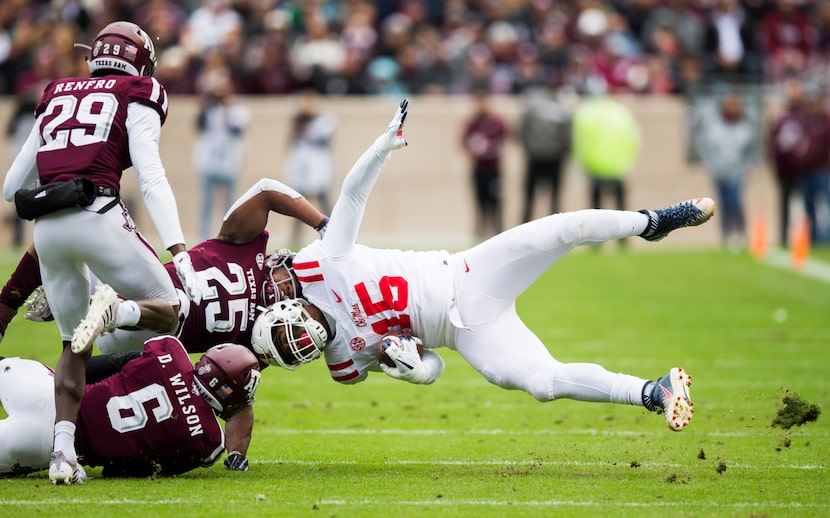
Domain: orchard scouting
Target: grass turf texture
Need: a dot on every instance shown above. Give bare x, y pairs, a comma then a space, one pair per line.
463, 447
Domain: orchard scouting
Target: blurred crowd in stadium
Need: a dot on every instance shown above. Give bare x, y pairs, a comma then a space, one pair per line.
700, 50
430, 46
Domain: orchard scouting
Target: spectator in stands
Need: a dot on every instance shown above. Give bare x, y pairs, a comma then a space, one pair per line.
210, 26
730, 50
218, 153
789, 39
679, 18
318, 56
545, 135
283, 47
483, 138
309, 164
727, 143
787, 144
815, 185
606, 144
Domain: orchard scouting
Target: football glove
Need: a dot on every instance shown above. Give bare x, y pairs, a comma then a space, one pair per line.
392, 138
187, 275
235, 461
408, 364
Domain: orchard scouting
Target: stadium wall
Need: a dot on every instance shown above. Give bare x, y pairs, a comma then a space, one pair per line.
423, 198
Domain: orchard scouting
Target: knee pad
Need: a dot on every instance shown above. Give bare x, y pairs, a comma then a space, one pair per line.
541, 388
538, 385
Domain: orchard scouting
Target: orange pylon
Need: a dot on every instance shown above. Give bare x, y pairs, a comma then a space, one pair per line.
759, 237
800, 245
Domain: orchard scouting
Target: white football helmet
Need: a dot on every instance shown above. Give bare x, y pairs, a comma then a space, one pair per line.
285, 335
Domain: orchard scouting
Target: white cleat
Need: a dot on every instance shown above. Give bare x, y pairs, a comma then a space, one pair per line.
62, 471
671, 396
100, 319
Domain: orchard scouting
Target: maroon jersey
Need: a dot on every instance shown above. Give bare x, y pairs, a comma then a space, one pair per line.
84, 130
147, 418
234, 276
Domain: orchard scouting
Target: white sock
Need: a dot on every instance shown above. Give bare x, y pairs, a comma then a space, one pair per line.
65, 439
592, 382
627, 390
128, 314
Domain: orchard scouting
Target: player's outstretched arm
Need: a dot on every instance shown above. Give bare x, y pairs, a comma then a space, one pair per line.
248, 216
347, 213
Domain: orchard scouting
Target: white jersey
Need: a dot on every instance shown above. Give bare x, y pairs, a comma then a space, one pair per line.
370, 293
366, 293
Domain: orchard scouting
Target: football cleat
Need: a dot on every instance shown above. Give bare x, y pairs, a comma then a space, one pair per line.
99, 320
37, 307
669, 395
63, 471
689, 213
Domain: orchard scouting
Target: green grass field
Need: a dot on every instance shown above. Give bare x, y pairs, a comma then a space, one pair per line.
745, 331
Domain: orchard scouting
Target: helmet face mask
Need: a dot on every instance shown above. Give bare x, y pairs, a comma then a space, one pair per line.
227, 377
287, 287
122, 47
285, 335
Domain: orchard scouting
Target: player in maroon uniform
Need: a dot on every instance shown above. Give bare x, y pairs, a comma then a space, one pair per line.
88, 131
235, 275
156, 414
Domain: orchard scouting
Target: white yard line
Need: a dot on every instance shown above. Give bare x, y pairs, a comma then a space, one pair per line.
813, 268
613, 433
580, 464
443, 502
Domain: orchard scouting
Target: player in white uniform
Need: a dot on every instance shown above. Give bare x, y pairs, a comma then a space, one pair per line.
90, 130
464, 301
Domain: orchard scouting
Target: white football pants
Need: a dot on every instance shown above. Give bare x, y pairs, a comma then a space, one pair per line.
490, 277
71, 242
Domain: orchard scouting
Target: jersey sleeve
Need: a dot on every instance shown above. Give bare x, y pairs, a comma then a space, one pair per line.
149, 92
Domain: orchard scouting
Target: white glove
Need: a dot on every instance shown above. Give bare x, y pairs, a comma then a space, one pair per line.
403, 350
392, 138
190, 281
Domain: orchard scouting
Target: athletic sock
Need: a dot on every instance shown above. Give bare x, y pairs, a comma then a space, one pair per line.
65, 439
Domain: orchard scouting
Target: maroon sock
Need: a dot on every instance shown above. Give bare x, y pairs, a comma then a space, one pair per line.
24, 280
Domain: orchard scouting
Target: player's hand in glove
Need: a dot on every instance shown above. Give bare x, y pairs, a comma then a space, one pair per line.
190, 281
235, 461
408, 363
392, 138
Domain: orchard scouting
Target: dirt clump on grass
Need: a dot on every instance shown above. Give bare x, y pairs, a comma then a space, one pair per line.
794, 411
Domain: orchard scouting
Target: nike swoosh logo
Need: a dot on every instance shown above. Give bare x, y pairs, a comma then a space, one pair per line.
336, 296
466, 266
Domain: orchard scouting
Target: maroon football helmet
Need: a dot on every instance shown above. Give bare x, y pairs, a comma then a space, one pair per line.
227, 376
122, 47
